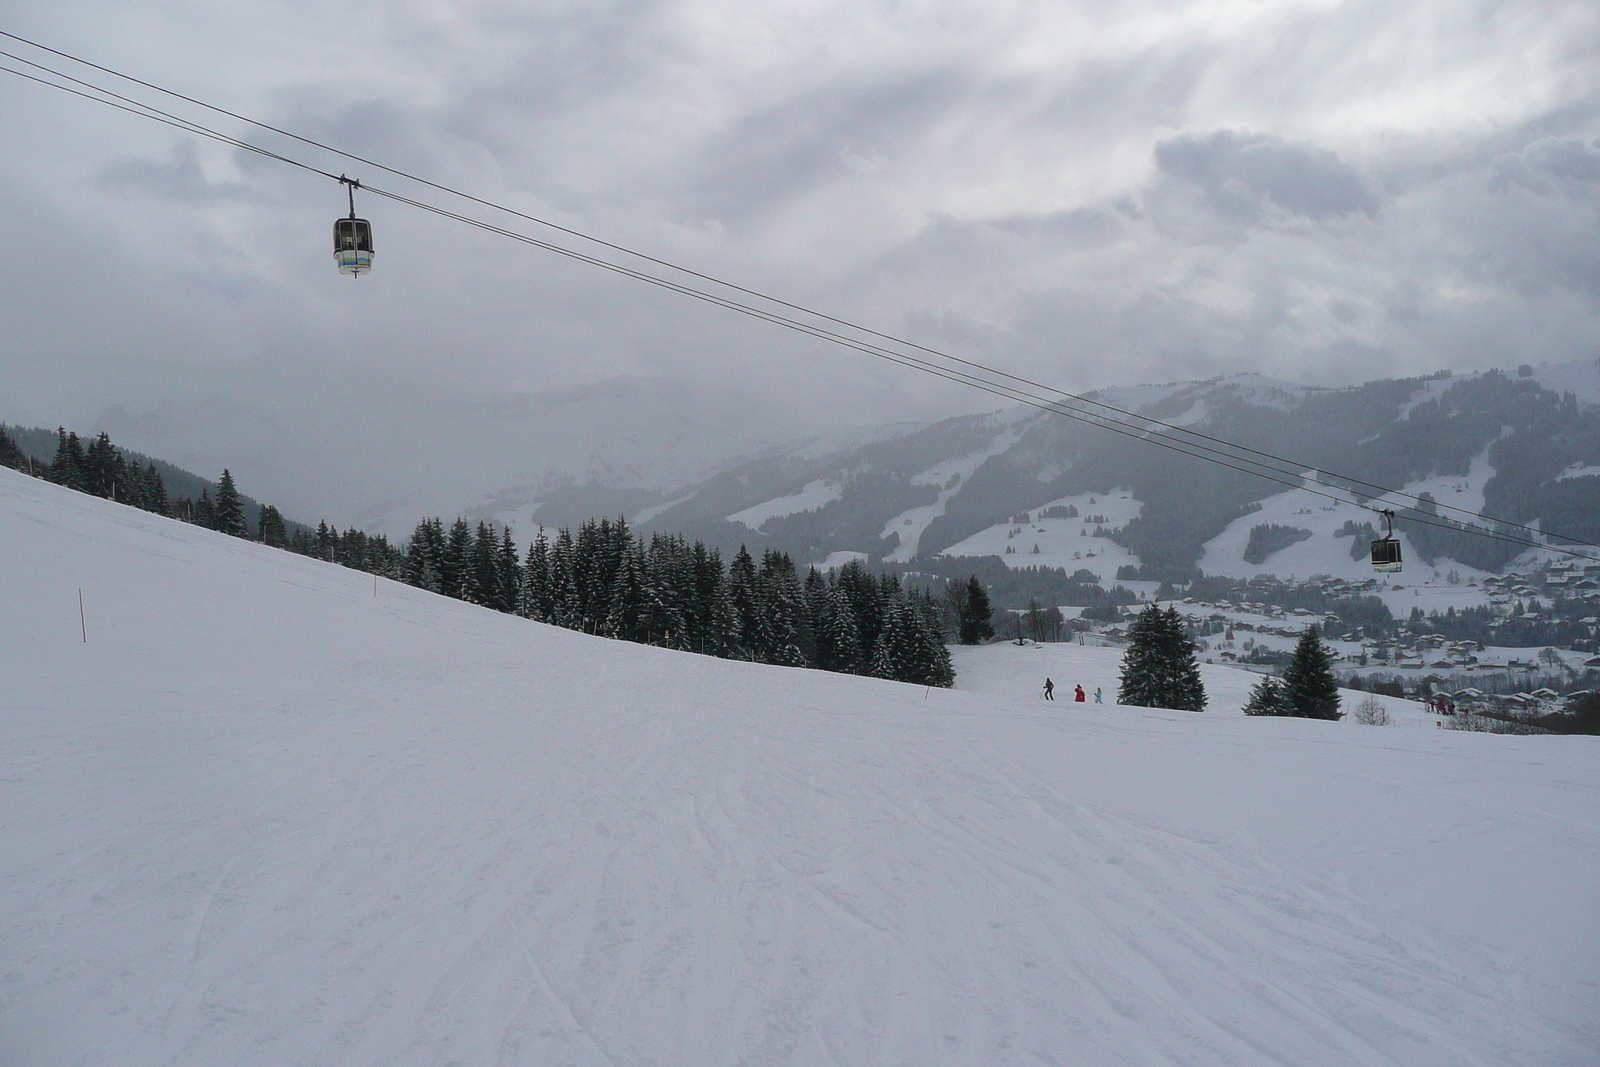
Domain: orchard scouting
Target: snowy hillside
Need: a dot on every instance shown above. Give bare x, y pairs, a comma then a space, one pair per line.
268, 816
1523, 445
1072, 542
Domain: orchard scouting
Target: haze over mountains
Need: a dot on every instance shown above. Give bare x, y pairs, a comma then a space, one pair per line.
734, 464
1523, 446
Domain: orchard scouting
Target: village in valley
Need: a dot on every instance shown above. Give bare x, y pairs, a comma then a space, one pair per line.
1537, 651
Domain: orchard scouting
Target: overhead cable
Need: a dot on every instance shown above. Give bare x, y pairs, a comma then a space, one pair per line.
1175, 438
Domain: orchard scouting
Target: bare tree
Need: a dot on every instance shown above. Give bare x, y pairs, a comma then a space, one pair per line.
1036, 621
953, 605
1371, 712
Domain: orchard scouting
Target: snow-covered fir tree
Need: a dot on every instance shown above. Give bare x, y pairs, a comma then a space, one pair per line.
1159, 668
1310, 691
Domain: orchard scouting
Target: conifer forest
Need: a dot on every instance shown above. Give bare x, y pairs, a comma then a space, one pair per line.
602, 580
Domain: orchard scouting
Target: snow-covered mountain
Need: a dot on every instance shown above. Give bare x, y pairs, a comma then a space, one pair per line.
256, 809
1036, 488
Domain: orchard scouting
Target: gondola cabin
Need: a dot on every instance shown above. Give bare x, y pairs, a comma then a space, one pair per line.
1386, 549
352, 246
1386, 555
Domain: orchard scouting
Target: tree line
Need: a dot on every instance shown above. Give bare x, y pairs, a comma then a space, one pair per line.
605, 580
602, 580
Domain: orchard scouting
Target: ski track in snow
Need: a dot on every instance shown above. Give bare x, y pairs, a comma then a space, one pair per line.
264, 817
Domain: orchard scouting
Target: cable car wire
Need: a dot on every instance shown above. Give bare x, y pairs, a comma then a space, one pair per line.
1284, 465
993, 388
1281, 471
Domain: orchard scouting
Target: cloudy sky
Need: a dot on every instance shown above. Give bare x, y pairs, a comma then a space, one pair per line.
1085, 193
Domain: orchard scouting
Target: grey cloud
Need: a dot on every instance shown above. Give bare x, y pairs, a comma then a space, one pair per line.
179, 178
1237, 170
775, 153
981, 177
1551, 162
1088, 226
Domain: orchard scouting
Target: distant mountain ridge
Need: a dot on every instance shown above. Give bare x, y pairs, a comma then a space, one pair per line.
1523, 445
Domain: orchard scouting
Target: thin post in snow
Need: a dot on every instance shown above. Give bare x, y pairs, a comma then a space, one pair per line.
83, 622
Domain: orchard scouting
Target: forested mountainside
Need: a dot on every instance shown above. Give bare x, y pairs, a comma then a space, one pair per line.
1522, 445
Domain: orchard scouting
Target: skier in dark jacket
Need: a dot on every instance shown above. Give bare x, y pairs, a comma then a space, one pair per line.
1049, 689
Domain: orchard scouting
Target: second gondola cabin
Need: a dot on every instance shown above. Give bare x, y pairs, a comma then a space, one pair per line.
1386, 555
352, 246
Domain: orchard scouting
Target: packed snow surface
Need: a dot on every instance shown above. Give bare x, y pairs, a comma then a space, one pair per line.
266, 817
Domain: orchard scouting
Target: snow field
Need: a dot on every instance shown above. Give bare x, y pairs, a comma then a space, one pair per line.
951, 477
1065, 543
814, 495
266, 817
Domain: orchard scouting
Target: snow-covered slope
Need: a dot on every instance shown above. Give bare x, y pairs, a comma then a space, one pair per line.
264, 816
1516, 446
1068, 543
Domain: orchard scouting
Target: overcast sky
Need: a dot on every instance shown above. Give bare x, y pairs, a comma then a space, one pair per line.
1087, 193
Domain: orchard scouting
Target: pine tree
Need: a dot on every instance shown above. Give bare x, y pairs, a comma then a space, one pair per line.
104, 472
153, 491
627, 601
205, 513
862, 592
664, 596
423, 557
563, 591
478, 584
1188, 693
895, 652
815, 592
933, 661
507, 574
976, 614
67, 466
783, 608
270, 529
535, 601
839, 636
229, 515
10, 454
1266, 698
754, 634
455, 561
1309, 687
1159, 668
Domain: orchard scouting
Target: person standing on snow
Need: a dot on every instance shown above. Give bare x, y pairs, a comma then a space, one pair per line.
1098, 695
1049, 689
1078, 694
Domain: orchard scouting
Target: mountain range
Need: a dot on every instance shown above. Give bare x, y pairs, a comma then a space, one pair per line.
1038, 488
